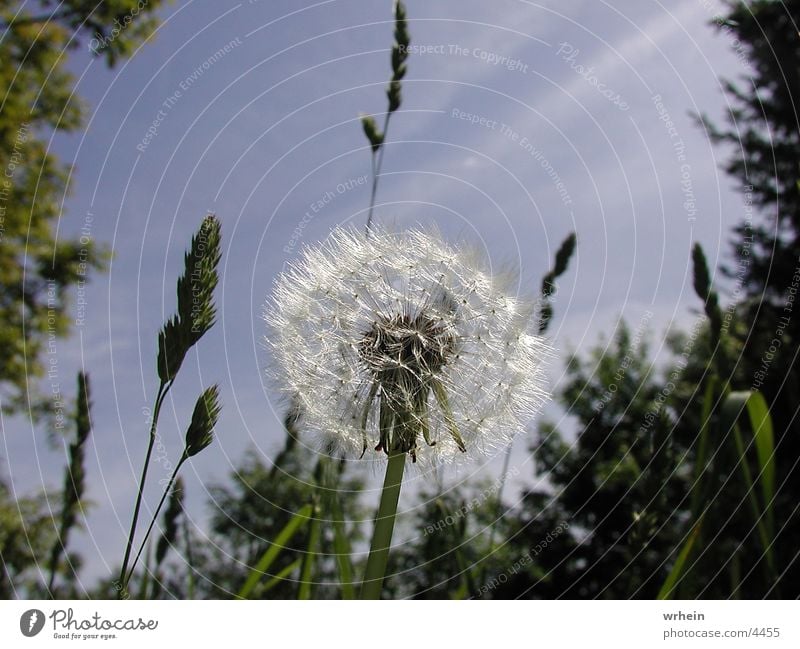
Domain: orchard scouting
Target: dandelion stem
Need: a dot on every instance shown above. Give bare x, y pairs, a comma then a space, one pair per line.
163, 388
384, 526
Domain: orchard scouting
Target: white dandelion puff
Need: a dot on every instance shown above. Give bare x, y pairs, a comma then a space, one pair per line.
395, 339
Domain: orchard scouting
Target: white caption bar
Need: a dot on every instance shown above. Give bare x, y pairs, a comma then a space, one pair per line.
396, 624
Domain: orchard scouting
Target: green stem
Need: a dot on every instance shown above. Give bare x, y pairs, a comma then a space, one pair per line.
384, 526
155, 516
377, 163
772, 575
306, 573
162, 392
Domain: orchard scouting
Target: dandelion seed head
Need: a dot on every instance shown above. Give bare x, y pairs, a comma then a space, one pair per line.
401, 340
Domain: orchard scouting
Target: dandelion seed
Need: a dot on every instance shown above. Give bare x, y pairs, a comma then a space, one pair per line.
394, 339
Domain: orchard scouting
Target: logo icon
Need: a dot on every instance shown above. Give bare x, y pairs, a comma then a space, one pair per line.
31, 622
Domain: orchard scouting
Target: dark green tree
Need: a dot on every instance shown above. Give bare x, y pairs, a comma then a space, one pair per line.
608, 514
762, 136
250, 512
33, 538
27, 534
448, 552
38, 269
619, 497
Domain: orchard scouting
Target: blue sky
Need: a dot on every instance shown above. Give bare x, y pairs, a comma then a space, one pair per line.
570, 102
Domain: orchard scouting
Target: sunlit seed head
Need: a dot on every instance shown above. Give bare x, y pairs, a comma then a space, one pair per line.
403, 342
415, 345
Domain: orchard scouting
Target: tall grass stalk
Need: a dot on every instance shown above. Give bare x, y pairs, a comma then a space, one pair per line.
150, 527
195, 315
377, 138
75, 478
160, 395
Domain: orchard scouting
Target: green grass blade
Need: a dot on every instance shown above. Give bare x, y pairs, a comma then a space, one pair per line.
732, 410
281, 576
764, 437
341, 546
147, 575
467, 582
456, 535
676, 574
272, 552
306, 576
703, 444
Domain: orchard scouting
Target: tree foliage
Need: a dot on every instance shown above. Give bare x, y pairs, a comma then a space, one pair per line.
38, 264
249, 513
762, 136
